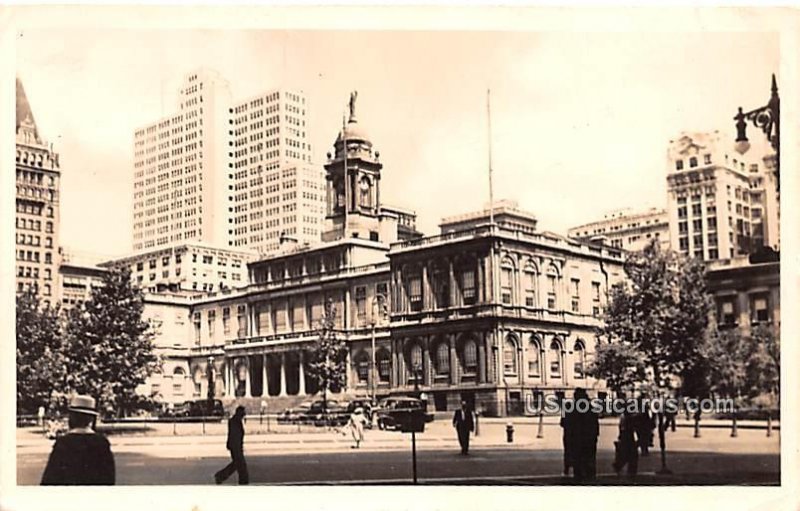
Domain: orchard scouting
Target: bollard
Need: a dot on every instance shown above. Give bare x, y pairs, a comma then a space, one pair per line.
477, 425
540, 432
697, 427
769, 424
174, 426
509, 433
734, 428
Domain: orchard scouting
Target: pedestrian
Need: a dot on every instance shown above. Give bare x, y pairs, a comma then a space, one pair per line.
464, 424
40, 415
356, 425
585, 427
568, 440
626, 450
82, 456
235, 445
644, 429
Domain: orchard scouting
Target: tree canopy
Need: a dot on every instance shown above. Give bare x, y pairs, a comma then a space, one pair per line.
660, 315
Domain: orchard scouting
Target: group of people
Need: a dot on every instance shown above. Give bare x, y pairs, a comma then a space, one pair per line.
581, 428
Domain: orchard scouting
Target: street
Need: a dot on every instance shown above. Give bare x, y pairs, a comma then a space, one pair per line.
385, 458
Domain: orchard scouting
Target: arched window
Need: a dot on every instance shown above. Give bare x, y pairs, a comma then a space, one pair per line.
442, 360
580, 359
534, 357
529, 280
361, 362
555, 359
364, 193
470, 356
178, 375
510, 356
415, 356
506, 281
384, 361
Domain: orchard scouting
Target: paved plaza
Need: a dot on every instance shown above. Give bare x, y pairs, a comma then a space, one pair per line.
319, 456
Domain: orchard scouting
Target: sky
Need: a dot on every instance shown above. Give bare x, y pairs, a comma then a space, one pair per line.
580, 121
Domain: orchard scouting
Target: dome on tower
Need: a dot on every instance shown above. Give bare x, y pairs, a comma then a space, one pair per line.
354, 132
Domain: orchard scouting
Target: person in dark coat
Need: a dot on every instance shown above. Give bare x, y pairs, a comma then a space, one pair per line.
627, 452
81, 457
464, 424
585, 426
568, 440
235, 445
644, 430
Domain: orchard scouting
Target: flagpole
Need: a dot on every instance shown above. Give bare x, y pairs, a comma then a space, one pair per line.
491, 190
345, 176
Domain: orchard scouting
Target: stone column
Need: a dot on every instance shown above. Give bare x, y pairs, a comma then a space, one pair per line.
348, 373
482, 360
427, 298
282, 390
302, 375
454, 364
264, 376
247, 389
453, 286
228, 379
427, 367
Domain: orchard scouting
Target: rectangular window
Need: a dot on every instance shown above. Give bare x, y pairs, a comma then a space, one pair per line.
212, 318
468, 286
683, 227
727, 312
595, 298
441, 283
530, 289
576, 301
759, 309
279, 316
196, 321
682, 212
415, 292
361, 305
241, 313
684, 243
226, 320
551, 292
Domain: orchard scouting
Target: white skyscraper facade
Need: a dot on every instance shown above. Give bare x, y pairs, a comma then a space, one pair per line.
180, 169
716, 205
275, 194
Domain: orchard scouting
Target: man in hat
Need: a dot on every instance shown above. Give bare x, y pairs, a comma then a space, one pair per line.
81, 457
235, 445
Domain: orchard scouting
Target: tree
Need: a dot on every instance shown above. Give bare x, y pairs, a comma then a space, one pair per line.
661, 311
619, 364
746, 364
40, 358
110, 345
328, 364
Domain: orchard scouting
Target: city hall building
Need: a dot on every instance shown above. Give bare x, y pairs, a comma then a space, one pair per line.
491, 310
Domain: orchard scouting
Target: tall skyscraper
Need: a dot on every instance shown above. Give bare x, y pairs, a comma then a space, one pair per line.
38, 210
710, 197
180, 179
227, 174
275, 193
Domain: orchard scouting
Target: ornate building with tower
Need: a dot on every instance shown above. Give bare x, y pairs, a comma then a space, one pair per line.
491, 310
38, 207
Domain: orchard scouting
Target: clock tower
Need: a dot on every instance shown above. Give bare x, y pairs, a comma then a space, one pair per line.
352, 177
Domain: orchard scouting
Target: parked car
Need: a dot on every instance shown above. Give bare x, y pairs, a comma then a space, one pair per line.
295, 415
335, 414
206, 408
171, 410
365, 404
392, 411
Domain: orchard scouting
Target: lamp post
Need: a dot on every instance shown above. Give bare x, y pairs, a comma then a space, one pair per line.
379, 300
211, 383
768, 118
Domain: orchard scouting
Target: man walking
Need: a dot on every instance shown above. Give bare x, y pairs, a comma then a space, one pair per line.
586, 429
464, 424
81, 457
235, 445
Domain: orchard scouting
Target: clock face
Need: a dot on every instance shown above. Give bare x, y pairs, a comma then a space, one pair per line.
364, 185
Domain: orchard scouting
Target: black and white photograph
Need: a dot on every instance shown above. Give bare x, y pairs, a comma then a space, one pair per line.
528, 250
